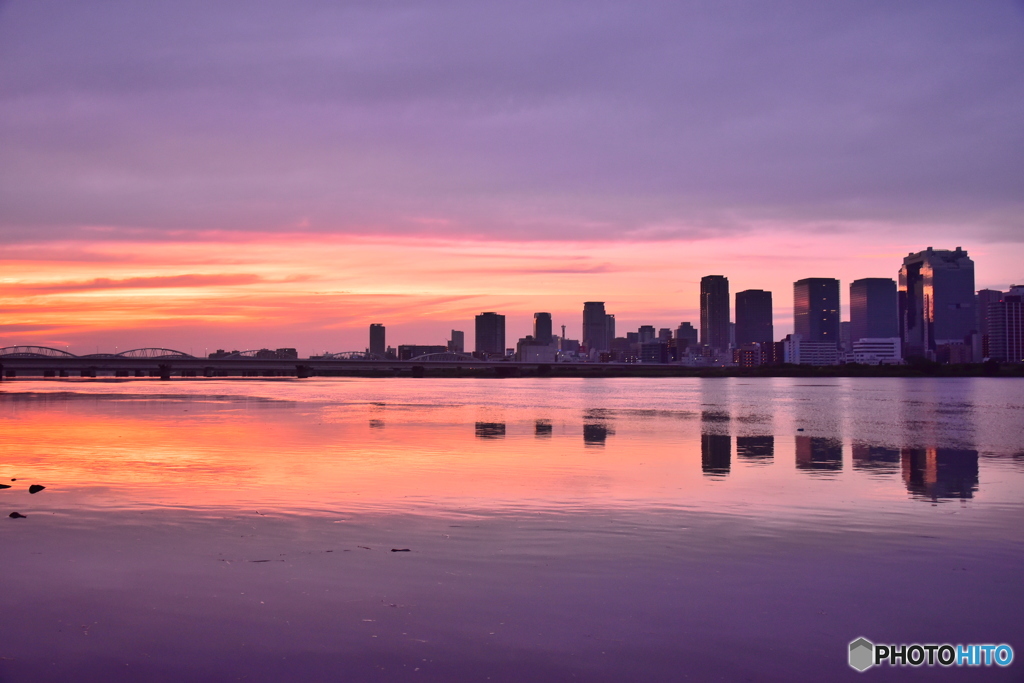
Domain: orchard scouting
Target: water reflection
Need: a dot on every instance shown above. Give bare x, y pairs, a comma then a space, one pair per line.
759, 449
542, 429
596, 433
715, 454
875, 459
490, 430
815, 453
936, 473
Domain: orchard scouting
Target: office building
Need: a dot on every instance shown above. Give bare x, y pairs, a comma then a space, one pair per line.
983, 299
542, 328
595, 327
1006, 327
645, 333
816, 309
800, 351
936, 300
490, 334
874, 311
686, 335
377, 345
457, 344
714, 311
754, 317
881, 351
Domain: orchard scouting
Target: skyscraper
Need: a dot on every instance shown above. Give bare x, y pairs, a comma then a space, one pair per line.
874, 313
595, 326
377, 345
490, 333
754, 317
1006, 327
714, 311
542, 328
936, 300
816, 309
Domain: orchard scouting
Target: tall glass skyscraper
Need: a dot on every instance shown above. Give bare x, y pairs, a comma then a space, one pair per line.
595, 326
936, 300
377, 345
816, 309
754, 317
490, 333
542, 327
714, 311
874, 313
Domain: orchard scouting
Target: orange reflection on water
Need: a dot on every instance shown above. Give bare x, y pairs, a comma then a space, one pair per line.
199, 454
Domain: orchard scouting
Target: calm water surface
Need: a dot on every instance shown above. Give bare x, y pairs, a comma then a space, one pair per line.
549, 530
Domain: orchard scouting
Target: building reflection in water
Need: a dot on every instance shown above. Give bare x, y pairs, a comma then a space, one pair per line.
759, 449
819, 453
596, 433
490, 430
936, 473
875, 459
376, 424
542, 429
715, 454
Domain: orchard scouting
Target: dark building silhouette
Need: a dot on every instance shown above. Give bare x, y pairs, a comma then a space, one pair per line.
754, 317
490, 430
755, 448
542, 428
490, 333
874, 311
542, 328
877, 459
1006, 327
936, 300
816, 309
410, 351
686, 336
457, 344
714, 311
818, 453
936, 473
715, 454
595, 327
983, 299
377, 344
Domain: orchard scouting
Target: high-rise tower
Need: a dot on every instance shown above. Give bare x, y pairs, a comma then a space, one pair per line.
377, 345
936, 300
714, 311
595, 326
490, 333
816, 309
542, 328
754, 317
873, 309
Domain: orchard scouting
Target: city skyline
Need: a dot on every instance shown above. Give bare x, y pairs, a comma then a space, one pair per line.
416, 166
788, 314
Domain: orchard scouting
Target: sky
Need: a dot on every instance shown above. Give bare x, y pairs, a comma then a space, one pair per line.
240, 175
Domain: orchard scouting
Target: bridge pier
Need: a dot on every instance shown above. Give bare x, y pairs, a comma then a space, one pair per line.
62, 373
165, 371
302, 371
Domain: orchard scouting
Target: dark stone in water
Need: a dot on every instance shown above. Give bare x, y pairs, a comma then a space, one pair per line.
17, 515
400, 550
35, 488
5, 486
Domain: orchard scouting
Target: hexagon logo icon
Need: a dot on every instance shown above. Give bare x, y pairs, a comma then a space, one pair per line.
862, 654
